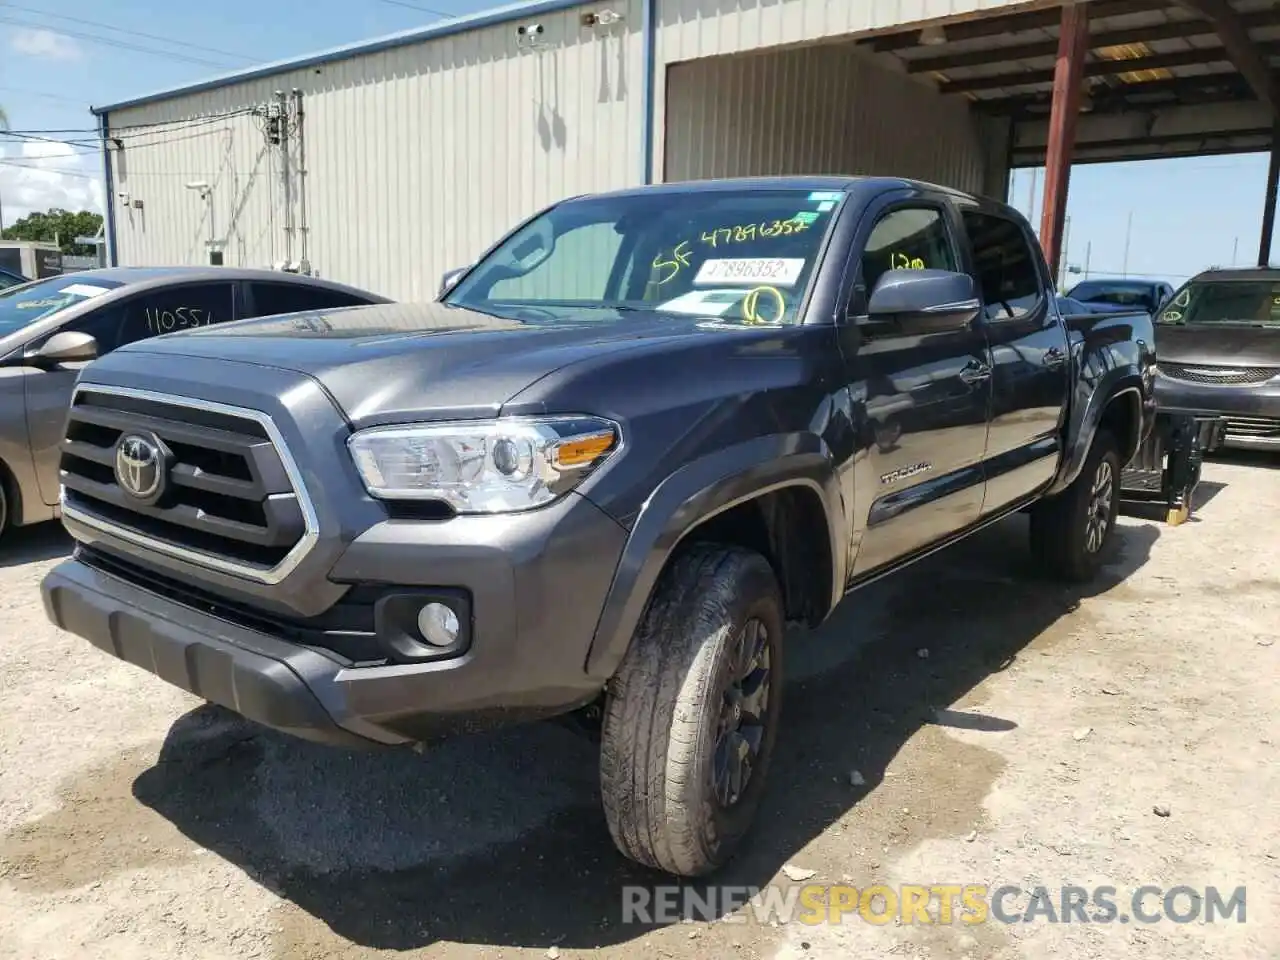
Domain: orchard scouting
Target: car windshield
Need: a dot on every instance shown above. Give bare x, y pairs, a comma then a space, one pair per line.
738, 256
24, 305
1124, 294
1254, 303
8, 279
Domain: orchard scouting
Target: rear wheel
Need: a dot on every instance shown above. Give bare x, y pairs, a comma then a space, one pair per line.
691, 721
4, 505
1070, 533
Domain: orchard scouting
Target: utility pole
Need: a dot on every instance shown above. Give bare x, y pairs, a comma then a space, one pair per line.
284, 169
1088, 249
1128, 231
1031, 194
1235, 250
1066, 254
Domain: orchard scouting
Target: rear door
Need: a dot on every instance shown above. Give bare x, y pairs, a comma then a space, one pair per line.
147, 314
1028, 343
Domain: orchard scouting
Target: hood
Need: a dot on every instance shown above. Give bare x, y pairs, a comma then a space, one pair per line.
387, 362
1220, 344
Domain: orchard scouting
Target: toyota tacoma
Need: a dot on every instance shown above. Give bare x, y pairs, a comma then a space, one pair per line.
628, 445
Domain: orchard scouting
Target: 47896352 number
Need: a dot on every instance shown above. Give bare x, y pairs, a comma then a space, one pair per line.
179, 318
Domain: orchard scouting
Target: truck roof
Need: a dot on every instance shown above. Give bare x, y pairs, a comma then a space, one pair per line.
843, 184
1220, 275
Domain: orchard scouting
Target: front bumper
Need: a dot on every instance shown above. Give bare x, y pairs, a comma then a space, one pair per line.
1252, 411
536, 584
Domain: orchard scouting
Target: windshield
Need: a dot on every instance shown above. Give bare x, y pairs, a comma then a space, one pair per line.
24, 305
1254, 303
1124, 294
8, 279
741, 256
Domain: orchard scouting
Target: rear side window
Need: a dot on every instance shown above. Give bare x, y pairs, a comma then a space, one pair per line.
269, 299
1006, 265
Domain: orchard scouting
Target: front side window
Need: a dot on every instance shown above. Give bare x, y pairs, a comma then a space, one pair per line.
908, 238
742, 256
23, 305
1252, 303
1005, 263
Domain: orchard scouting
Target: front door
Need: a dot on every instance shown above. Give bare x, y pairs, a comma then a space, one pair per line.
1029, 350
165, 310
922, 400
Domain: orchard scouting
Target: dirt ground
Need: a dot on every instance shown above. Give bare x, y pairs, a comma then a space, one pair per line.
1028, 744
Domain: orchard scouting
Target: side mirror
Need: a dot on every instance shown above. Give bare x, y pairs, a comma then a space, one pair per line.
69, 346
911, 303
450, 278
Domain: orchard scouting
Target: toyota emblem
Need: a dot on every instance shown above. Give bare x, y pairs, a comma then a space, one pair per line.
140, 465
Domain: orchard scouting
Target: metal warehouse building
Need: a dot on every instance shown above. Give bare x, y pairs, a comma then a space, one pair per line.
385, 163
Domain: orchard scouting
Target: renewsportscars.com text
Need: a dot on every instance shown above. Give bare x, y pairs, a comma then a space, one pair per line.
939, 903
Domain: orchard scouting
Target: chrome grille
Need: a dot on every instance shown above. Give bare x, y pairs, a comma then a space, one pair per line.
233, 498
1253, 428
1216, 374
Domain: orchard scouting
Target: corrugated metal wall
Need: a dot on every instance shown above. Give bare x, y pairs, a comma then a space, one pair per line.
816, 110
688, 29
418, 157
694, 29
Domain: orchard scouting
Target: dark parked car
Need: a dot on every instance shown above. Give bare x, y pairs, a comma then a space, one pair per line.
642, 433
50, 328
1108, 296
1218, 350
10, 279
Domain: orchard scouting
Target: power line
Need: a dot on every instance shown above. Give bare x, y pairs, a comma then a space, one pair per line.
58, 170
47, 96
108, 42
420, 9
159, 125
135, 33
85, 147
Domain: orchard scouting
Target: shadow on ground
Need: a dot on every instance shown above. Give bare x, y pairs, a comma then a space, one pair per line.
40, 541
499, 840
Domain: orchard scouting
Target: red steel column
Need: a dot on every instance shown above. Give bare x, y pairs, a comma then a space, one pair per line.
1068, 79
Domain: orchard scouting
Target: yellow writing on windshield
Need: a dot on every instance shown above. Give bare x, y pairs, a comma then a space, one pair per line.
900, 261
668, 269
751, 305
744, 232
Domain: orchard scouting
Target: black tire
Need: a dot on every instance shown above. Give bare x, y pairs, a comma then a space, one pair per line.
1070, 533
664, 736
4, 505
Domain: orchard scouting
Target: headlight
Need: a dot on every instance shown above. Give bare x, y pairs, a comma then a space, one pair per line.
482, 466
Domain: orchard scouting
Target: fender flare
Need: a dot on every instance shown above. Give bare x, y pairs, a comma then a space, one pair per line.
1085, 419
693, 494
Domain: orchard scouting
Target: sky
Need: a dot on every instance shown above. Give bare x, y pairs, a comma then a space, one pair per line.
1173, 217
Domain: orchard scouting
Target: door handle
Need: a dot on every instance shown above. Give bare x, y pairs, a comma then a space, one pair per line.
975, 373
1053, 357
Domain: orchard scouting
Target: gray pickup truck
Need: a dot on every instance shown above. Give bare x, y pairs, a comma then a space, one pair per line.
641, 434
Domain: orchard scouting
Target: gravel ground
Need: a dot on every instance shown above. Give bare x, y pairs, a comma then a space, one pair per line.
1029, 746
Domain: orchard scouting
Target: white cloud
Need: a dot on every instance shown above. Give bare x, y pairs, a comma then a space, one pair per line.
45, 44
35, 176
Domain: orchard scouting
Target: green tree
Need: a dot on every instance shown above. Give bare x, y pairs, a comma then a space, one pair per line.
58, 224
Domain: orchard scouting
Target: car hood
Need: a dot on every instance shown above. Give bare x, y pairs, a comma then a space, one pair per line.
1218, 344
386, 362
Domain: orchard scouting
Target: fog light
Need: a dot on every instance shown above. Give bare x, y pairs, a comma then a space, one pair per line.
438, 624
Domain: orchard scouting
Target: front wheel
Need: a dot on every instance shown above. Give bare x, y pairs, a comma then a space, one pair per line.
1070, 532
692, 717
